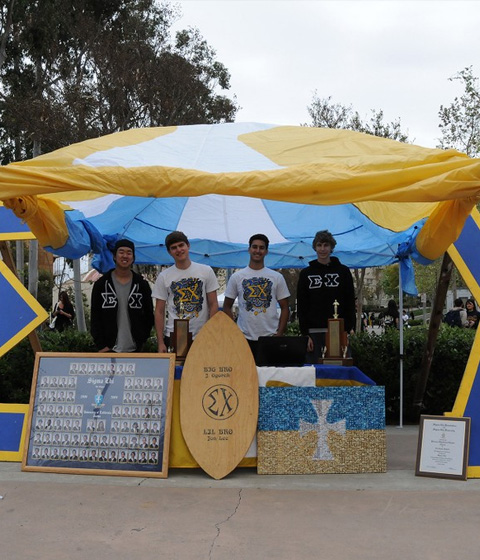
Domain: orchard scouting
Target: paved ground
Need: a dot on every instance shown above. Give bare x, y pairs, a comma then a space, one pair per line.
190, 516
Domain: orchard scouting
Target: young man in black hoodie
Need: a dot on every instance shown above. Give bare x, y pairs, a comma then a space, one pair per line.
122, 305
323, 282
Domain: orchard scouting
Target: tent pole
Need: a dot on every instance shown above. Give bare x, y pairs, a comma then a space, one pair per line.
400, 327
77, 283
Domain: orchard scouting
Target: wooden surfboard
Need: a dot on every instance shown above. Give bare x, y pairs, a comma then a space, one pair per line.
219, 397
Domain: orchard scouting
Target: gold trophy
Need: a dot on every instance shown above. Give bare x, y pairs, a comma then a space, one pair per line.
336, 341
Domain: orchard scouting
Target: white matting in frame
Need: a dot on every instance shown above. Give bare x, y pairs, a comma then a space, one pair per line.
443, 444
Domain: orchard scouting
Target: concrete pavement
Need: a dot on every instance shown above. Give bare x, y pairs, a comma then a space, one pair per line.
190, 516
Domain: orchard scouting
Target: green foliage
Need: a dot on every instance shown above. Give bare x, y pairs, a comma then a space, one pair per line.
16, 370
151, 345
390, 280
378, 357
70, 340
451, 355
293, 329
45, 287
426, 278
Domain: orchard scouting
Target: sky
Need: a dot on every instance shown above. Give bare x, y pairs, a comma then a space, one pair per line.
383, 55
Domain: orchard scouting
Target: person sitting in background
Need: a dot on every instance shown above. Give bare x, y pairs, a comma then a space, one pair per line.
457, 316
63, 313
473, 315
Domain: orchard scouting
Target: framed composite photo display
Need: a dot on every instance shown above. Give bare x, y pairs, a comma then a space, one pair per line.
443, 445
100, 414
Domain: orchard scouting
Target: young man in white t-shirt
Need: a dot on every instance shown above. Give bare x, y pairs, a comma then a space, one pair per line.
258, 289
186, 290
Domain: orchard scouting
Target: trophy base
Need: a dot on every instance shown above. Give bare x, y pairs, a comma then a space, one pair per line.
181, 340
336, 361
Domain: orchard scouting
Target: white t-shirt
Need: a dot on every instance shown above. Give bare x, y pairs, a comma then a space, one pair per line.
258, 292
185, 292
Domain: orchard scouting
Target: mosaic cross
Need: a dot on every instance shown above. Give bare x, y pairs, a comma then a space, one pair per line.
322, 428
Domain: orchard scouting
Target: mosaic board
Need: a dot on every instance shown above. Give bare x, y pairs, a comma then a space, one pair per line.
308, 430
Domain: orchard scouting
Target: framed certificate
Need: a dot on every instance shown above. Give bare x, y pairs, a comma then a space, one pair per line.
100, 414
443, 444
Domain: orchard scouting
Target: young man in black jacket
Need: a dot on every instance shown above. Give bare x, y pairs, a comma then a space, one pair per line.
323, 282
122, 306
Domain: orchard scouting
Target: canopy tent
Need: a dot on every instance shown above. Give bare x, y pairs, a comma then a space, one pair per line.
383, 200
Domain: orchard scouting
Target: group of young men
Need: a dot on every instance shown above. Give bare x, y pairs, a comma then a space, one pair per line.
122, 311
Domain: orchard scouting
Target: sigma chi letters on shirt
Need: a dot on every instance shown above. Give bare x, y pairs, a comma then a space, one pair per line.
329, 280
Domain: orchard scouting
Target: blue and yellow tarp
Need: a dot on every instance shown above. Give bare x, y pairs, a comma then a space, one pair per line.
384, 200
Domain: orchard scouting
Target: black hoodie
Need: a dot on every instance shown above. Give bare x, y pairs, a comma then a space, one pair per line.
319, 285
103, 323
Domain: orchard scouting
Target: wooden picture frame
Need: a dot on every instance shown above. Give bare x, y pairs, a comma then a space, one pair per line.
105, 414
443, 445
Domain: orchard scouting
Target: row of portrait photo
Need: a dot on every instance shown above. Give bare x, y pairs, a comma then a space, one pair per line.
96, 454
58, 382
101, 368
136, 412
60, 410
143, 384
58, 424
134, 427
67, 425
142, 397
49, 396
94, 440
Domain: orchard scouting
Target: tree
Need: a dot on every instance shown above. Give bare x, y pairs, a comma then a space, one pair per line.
426, 278
45, 287
359, 275
460, 121
291, 278
6, 21
76, 69
390, 280
324, 113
